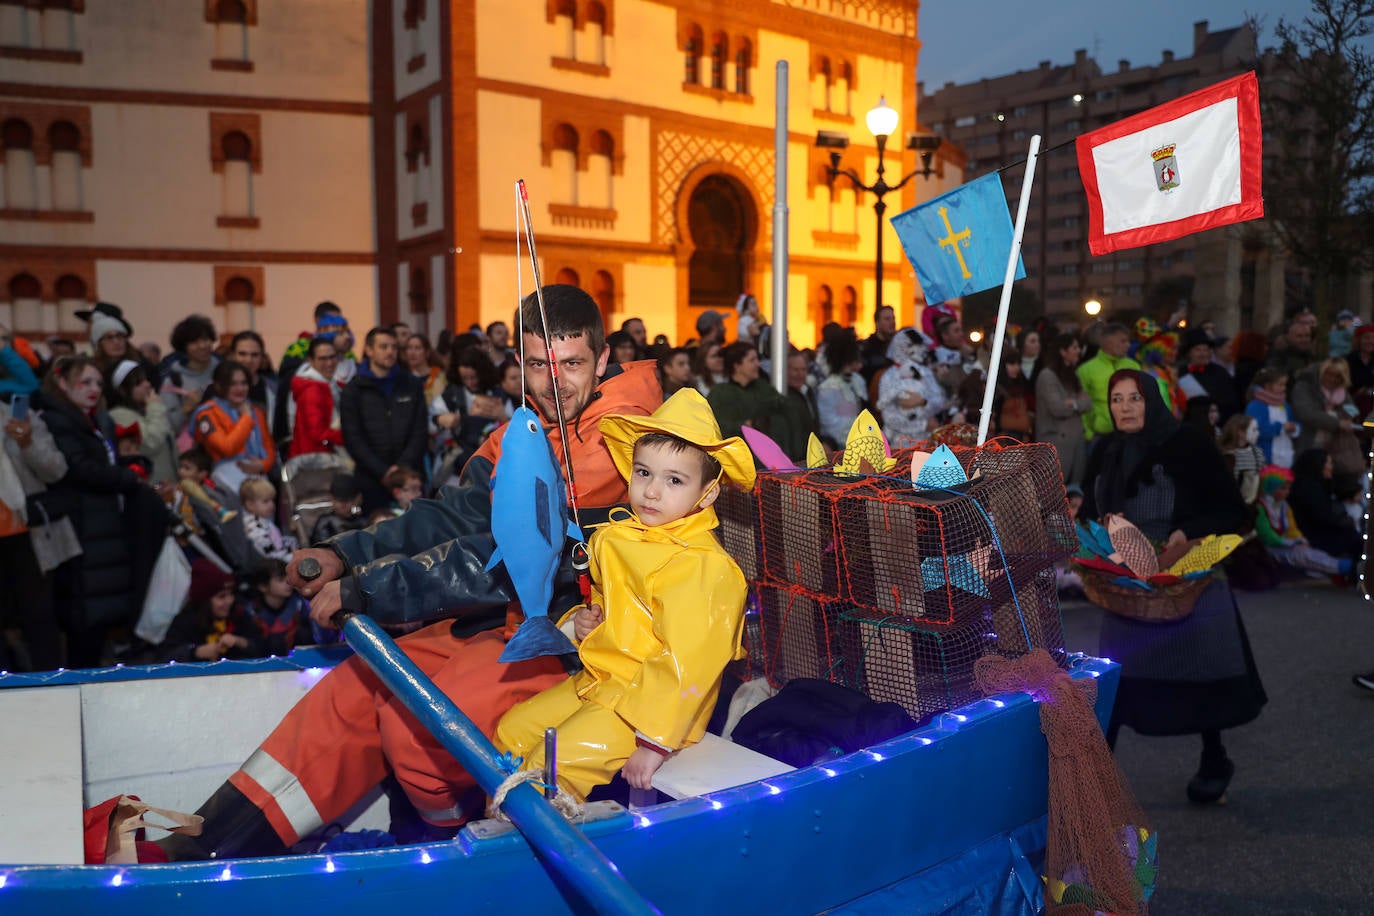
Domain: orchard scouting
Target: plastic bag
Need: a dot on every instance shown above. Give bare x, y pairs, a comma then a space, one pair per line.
167, 590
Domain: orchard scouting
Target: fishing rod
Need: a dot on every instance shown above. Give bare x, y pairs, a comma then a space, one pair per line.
522, 200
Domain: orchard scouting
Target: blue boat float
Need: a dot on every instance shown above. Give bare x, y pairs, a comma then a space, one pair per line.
947, 818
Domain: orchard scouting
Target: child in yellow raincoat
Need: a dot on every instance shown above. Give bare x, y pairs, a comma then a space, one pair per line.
666, 613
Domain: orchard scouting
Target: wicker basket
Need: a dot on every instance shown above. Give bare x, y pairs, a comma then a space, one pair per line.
1161, 604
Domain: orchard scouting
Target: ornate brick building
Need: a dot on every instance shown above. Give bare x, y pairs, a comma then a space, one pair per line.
644, 131
177, 157
248, 158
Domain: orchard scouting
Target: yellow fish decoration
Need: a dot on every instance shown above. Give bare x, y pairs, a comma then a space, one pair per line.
1213, 549
815, 453
865, 449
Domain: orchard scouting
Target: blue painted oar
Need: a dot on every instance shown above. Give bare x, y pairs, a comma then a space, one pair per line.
562, 845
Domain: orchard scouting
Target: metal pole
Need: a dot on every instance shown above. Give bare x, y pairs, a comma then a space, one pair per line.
779, 341
565, 848
879, 188
995, 360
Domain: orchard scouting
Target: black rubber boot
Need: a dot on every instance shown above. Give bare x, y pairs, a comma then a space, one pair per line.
1214, 773
234, 828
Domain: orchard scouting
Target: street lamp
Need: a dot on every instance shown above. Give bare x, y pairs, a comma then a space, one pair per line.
1093, 308
882, 123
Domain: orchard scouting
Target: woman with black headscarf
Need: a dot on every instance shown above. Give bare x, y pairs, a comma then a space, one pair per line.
1196, 675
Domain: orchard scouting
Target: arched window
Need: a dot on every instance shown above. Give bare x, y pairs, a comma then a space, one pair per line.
417, 164
596, 34
718, 46
26, 301
563, 162
603, 291
64, 139
418, 296
21, 186
567, 275
820, 85
238, 304
565, 25
744, 58
849, 307
691, 64
231, 30
844, 209
237, 176
826, 305
600, 172
843, 89
72, 296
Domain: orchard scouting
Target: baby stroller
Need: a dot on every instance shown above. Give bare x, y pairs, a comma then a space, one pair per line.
220, 518
304, 497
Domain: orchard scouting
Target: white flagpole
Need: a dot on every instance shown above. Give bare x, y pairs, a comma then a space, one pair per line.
999, 335
780, 259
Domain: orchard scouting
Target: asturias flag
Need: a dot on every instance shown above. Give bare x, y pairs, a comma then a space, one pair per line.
959, 242
1179, 168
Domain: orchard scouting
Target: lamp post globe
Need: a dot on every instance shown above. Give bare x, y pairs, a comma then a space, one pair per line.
882, 119
1092, 307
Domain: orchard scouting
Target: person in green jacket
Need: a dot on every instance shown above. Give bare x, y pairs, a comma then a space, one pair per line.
1114, 342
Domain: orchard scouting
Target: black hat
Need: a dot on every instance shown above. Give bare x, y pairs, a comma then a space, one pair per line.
108, 309
1195, 336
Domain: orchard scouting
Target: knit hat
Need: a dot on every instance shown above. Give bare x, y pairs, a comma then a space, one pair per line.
687, 416
331, 320
1364, 329
207, 580
708, 320
121, 372
1272, 477
102, 324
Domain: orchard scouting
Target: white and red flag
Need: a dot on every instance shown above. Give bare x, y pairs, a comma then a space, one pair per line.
1179, 168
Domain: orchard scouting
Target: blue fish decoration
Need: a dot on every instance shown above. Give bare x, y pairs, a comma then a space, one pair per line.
962, 575
941, 470
1094, 537
529, 520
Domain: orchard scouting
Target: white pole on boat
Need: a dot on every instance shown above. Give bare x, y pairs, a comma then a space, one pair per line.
779, 340
1003, 306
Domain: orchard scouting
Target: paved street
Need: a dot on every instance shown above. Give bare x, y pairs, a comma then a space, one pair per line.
1297, 833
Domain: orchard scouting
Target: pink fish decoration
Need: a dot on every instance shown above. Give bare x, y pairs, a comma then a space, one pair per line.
768, 452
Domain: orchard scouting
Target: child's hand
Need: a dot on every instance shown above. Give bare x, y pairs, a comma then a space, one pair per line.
586, 620
230, 641
209, 652
639, 770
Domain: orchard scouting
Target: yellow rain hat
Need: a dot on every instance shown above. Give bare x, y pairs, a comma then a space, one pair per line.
687, 416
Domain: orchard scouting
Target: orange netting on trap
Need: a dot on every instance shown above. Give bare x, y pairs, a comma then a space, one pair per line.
895, 591
1101, 854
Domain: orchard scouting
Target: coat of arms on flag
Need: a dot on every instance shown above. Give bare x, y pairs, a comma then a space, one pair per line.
1133, 178
1166, 166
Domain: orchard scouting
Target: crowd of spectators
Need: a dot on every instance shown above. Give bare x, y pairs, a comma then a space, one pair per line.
109, 457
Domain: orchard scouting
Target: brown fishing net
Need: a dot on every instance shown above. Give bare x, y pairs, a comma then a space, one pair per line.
1101, 854
872, 583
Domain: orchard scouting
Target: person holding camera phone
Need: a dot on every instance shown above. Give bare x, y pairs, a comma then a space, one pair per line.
29, 461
